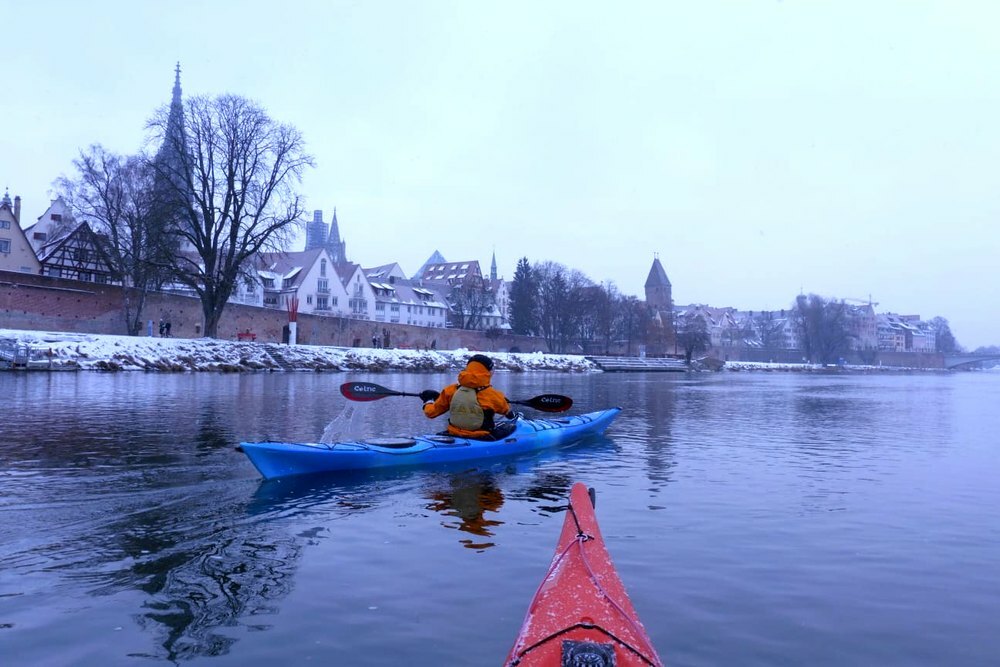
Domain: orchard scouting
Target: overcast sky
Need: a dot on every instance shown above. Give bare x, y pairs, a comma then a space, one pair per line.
761, 148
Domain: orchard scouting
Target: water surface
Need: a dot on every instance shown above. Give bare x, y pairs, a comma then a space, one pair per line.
761, 518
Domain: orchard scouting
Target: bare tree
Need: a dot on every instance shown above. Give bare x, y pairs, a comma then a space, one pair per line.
632, 319
470, 300
232, 189
822, 326
115, 193
944, 340
692, 335
604, 301
770, 328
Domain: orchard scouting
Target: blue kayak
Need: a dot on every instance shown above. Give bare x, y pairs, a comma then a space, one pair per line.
278, 459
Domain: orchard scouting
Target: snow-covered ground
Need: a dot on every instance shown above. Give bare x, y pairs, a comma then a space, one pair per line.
76, 351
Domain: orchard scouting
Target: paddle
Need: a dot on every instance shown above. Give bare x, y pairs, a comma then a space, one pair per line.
369, 391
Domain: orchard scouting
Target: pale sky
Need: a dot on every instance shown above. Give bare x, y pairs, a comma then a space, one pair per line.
761, 148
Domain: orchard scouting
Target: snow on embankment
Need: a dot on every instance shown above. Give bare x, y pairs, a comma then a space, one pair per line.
75, 351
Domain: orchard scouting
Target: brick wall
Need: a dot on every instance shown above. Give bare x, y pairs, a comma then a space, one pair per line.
53, 304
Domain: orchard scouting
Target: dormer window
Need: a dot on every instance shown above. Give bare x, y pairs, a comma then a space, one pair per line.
56, 217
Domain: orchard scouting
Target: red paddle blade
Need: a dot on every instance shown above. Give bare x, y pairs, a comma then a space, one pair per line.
365, 391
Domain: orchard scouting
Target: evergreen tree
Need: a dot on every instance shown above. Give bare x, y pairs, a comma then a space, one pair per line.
523, 302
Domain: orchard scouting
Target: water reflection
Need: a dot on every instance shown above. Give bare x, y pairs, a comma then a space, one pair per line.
466, 499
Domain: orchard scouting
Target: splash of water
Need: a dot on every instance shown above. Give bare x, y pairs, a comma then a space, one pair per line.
345, 426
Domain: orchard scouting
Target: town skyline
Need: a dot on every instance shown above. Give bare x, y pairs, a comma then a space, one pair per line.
760, 159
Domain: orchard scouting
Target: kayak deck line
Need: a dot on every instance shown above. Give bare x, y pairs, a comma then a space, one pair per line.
590, 598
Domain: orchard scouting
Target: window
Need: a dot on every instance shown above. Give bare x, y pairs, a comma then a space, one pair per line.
323, 286
86, 276
333, 301
4, 224
322, 268
5, 245
321, 303
100, 279
39, 236
309, 299
268, 282
56, 217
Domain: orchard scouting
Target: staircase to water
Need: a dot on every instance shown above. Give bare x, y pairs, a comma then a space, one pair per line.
657, 364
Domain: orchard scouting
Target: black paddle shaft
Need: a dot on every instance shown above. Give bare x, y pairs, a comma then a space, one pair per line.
369, 391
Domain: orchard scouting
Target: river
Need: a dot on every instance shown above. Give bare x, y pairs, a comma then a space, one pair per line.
755, 518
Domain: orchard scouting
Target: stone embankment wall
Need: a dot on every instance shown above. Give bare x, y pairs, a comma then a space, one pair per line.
879, 358
52, 304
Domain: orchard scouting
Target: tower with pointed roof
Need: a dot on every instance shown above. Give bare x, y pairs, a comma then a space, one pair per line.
321, 235
659, 298
171, 159
658, 288
334, 246
172, 178
493, 267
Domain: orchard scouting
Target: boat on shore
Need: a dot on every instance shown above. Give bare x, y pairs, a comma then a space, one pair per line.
279, 459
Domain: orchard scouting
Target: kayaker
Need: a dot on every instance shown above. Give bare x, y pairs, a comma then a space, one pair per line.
472, 403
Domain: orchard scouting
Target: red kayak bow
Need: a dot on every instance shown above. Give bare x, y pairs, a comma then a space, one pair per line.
581, 614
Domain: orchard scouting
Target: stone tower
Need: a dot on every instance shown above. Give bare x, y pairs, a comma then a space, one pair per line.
658, 288
660, 300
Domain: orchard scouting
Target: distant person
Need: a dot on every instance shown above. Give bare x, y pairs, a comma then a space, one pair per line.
375, 341
163, 328
472, 403
167, 328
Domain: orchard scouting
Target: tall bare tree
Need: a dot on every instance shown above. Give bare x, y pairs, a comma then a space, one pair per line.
114, 193
470, 300
770, 328
632, 320
822, 327
944, 340
692, 335
231, 186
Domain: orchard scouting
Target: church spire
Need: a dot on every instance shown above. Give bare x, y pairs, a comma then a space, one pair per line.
174, 144
493, 266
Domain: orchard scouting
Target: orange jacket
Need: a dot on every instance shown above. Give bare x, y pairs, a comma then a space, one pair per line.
491, 400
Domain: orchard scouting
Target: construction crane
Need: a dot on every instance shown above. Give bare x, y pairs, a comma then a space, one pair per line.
863, 302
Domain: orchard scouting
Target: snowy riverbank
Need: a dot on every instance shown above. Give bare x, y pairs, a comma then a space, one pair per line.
75, 351
59, 351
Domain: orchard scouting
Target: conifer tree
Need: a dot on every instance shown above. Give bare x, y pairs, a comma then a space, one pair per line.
523, 302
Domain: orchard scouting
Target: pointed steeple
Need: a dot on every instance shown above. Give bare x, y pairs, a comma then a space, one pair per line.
658, 289
657, 276
334, 229
175, 120
336, 247
175, 100
493, 266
